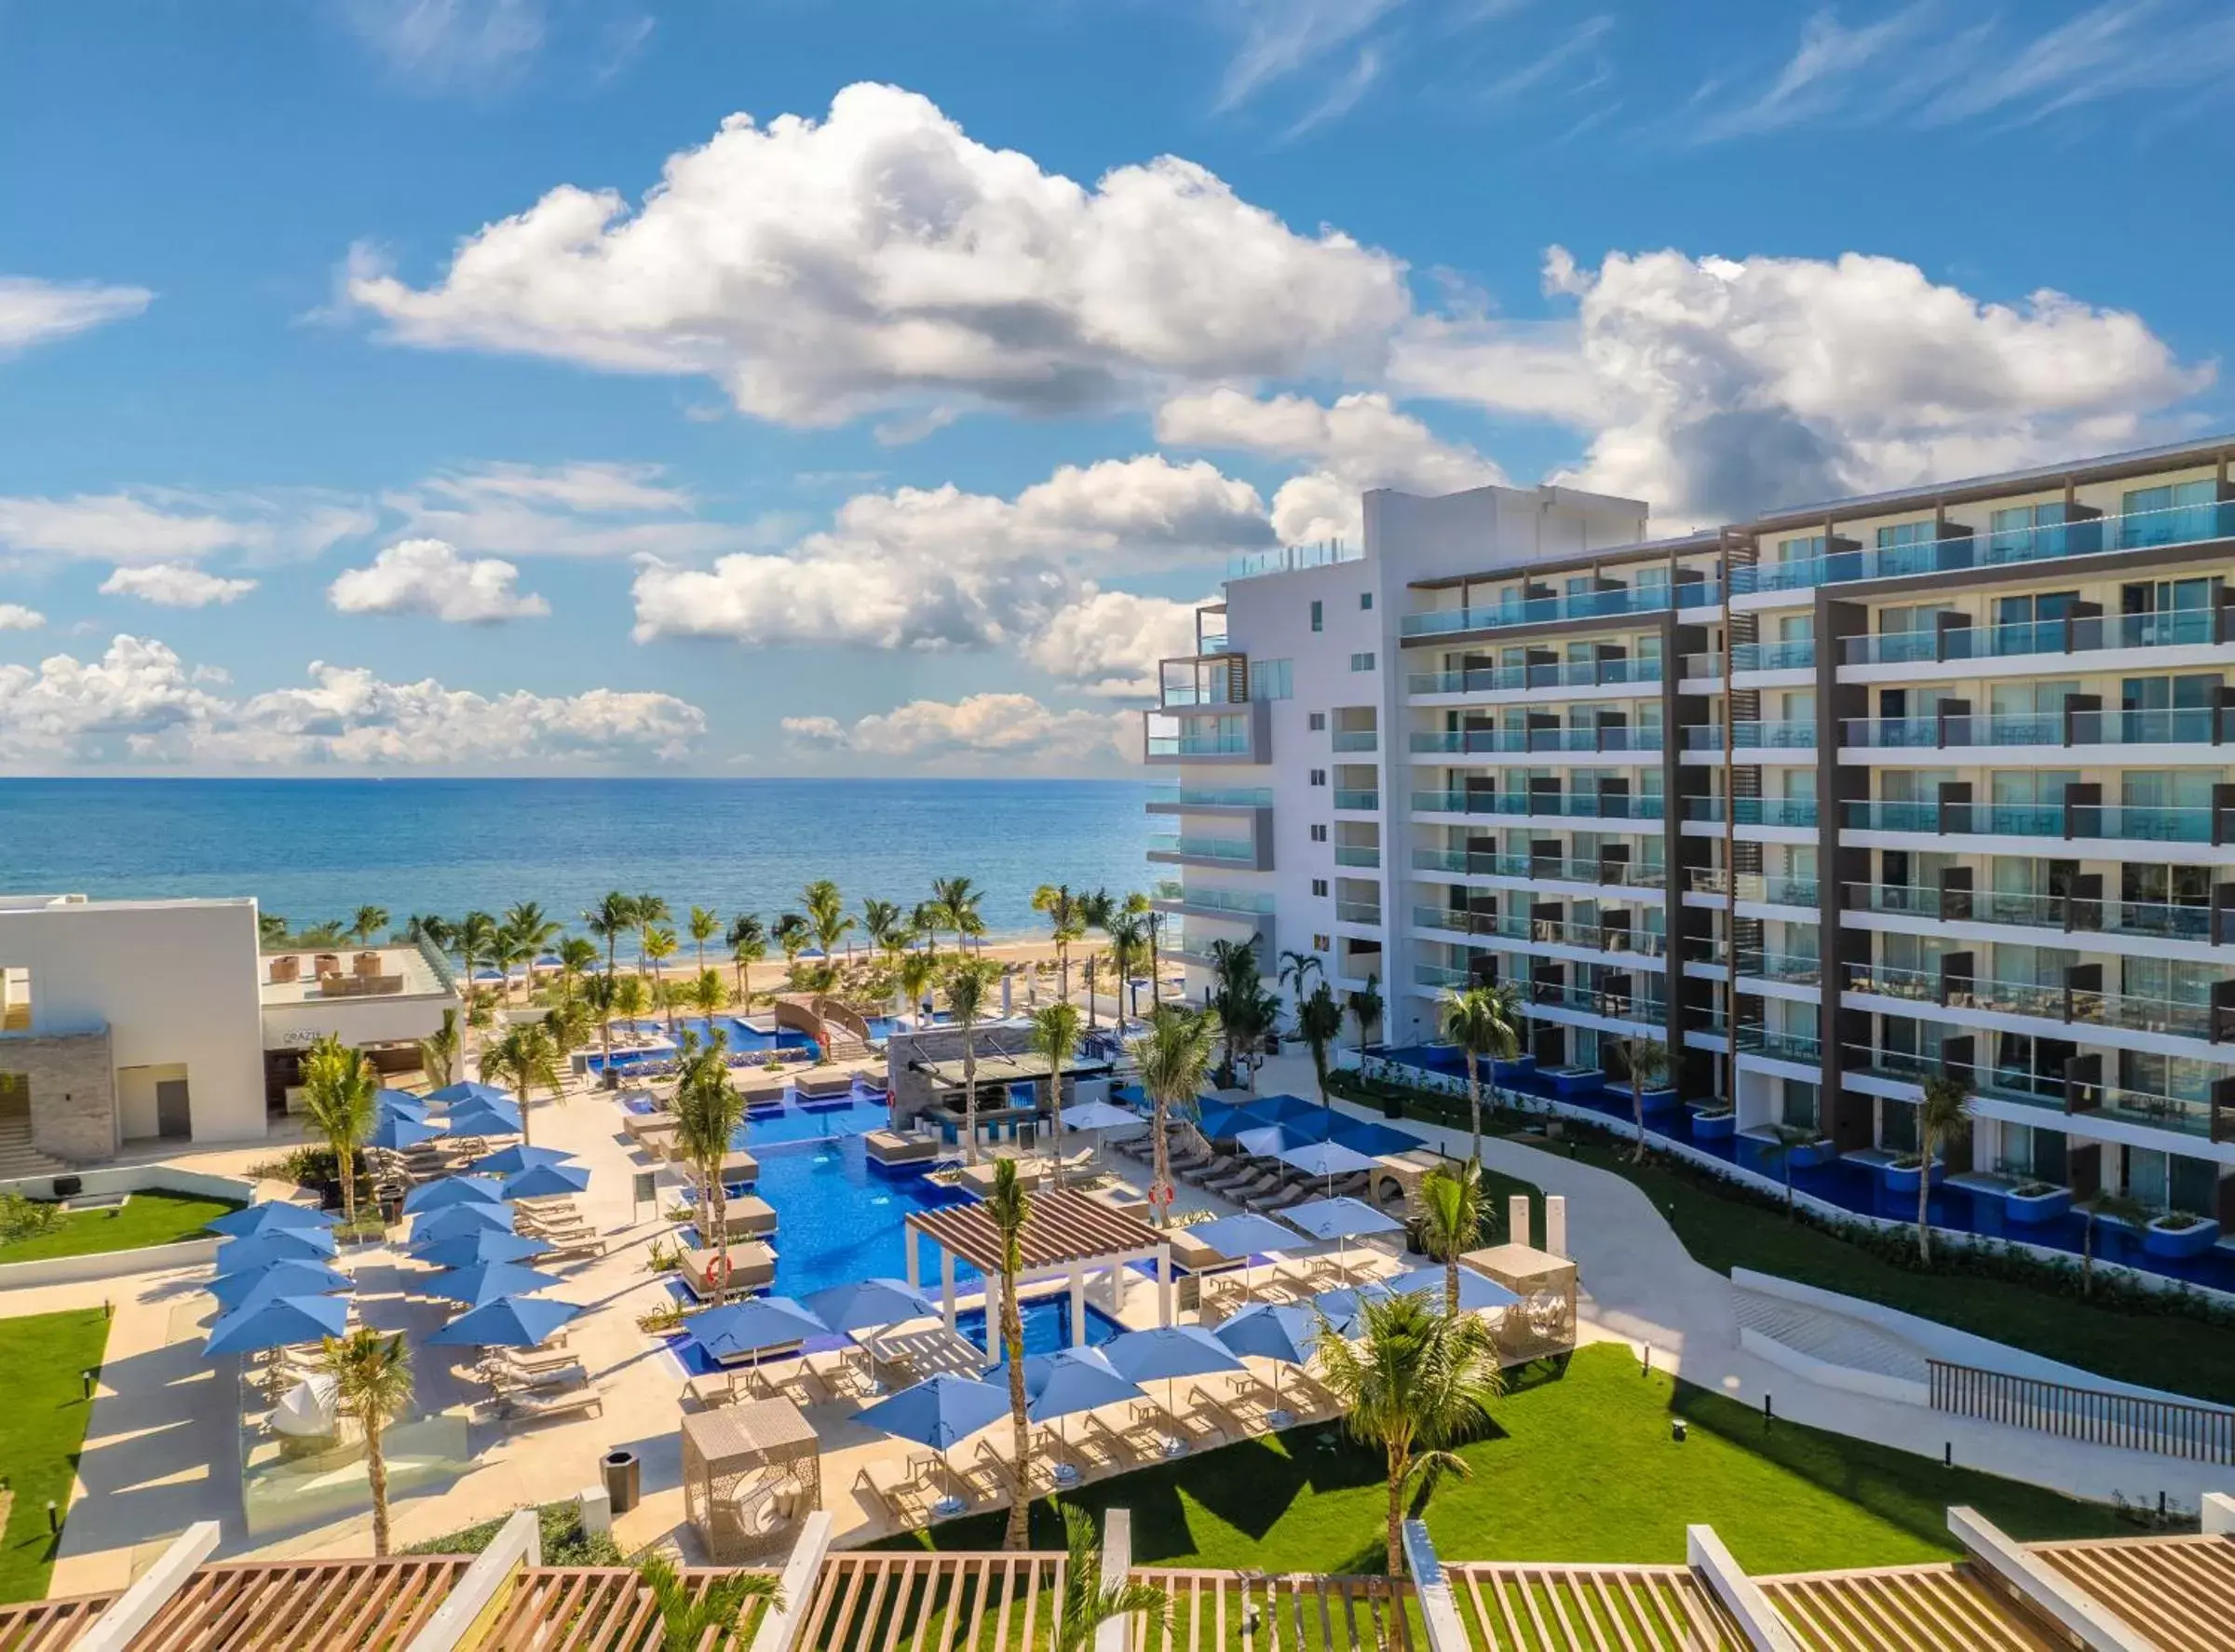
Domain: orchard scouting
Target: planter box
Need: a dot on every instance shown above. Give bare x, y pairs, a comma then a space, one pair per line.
1904, 1181
1661, 1101
2036, 1209
1577, 1082
1519, 1067
1715, 1126
2191, 1240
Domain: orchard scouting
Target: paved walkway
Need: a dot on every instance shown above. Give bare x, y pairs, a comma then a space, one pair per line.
1642, 1287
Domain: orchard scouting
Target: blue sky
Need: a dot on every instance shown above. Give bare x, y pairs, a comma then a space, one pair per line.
346, 424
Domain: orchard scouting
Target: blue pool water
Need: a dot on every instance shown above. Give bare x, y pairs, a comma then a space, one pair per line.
813, 1121
1046, 1328
736, 1034
838, 1217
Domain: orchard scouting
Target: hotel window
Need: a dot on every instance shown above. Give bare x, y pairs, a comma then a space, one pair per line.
1361, 662
1319, 886
1318, 833
1269, 679
1318, 721
1906, 548
1319, 776
1318, 615
1800, 550
2171, 515
1320, 943
1365, 601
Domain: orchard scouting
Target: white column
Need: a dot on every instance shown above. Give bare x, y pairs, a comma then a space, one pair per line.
1517, 1218
946, 1286
993, 1318
1116, 1290
1079, 1306
1164, 1286
1555, 1224
915, 1267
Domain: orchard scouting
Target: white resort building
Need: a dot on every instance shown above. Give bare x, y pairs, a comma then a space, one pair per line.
1824, 802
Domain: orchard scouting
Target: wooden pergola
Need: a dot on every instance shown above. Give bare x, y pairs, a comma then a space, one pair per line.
725, 1448
1067, 1234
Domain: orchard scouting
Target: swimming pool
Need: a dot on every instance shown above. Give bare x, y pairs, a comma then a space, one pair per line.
838, 1217
1047, 1327
812, 1122
736, 1034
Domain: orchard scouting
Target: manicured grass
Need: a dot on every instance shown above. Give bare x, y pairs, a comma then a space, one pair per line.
143, 1219
42, 1427
2184, 1355
1580, 1468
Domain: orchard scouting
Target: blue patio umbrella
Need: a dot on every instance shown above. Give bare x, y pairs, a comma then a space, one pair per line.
486, 1281
281, 1278
1072, 1380
483, 1119
546, 1181
1168, 1352
868, 1305
452, 1095
446, 1191
279, 1323
1099, 1115
1340, 1219
1282, 1332
508, 1323
510, 1161
1476, 1290
1339, 1308
272, 1216
1326, 1159
1221, 1123
244, 1255
939, 1411
397, 1131
1363, 1135
461, 1221
401, 1101
466, 1250
1239, 1236
1282, 1109
736, 1329
1268, 1141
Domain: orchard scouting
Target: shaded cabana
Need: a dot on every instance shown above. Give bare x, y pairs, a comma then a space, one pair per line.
750, 1474
1543, 1322
1066, 1235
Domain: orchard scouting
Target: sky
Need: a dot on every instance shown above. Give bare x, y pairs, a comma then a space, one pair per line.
789, 386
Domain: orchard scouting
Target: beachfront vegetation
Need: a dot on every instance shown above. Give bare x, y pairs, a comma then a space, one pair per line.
38, 1230
338, 1089
372, 1374
1055, 1033
1007, 1208
1173, 1057
970, 984
1940, 1114
1452, 1214
1088, 1602
42, 1430
1485, 1021
708, 1110
527, 1059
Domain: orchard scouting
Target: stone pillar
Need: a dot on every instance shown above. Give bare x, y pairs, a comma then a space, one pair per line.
992, 1319
1164, 1286
915, 1269
1555, 1224
1079, 1306
946, 1286
1517, 1218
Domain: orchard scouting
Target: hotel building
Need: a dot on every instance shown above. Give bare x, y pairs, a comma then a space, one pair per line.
1822, 802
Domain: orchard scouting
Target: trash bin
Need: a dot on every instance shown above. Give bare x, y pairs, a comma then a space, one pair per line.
623, 1478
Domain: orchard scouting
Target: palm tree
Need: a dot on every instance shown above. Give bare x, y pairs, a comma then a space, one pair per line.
708, 994
703, 925
372, 1374
338, 1089
1064, 924
531, 934
568, 1022
689, 1618
827, 917
1297, 969
1098, 911
475, 939
969, 984
925, 921
1173, 1056
791, 932
2101, 1204
1417, 1384
577, 958
526, 1058
1940, 1114
748, 939
369, 921
883, 922
1136, 905
649, 910
601, 996
708, 1111
917, 971
1250, 1015
1088, 1604
630, 998
1365, 1007
659, 946
1320, 1024
609, 920
1481, 1020
1785, 1140
439, 1051
955, 904
271, 929
1233, 963
1055, 1034
1129, 946
1008, 1210
1649, 1066
1453, 1210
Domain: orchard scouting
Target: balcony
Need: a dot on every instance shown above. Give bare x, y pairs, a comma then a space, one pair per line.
1351, 854
1242, 735
1240, 903
1796, 813
2140, 530
1485, 741
1789, 968
1538, 804
2182, 1116
1587, 674
2067, 1005
1543, 867
1599, 605
1604, 1002
2105, 822
1797, 655
1754, 887
1350, 797
2185, 727
1357, 911
1804, 1048
1602, 938
1210, 797
1211, 851
2145, 920
2185, 628
1355, 739
1439, 975
1198, 745
1794, 734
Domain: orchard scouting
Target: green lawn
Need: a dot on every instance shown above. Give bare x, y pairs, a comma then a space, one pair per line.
143, 1219
42, 1425
1580, 1468
2185, 1355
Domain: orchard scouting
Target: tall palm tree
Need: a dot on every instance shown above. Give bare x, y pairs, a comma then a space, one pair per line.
1250, 1015
970, 984
601, 996
526, 1058
532, 933
1320, 1024
1784, 1141
1136, 905
577, 958
1055, 1034
702, 925
955, 904
1940, 1114
2102, 1205
369, 921
609, 920
1008, 1210
1417, 1384
439, 1051
748, 939
569, 1024
338, 1089
1088, 1602
690, 1617
925, 921
630, 999
1129, 947
1236, 972
791, 932
659, 946
372, 1374
708, 1111
1648, 1067
1365, 1007
917, 971
1065, 925
827, 917
1297, 969
1173, 1056
885, 925
1453, 1210
478, 941
649, 910
1482, 1021
1097, 911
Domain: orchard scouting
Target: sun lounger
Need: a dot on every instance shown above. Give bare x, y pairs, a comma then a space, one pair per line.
1231, 1424
1039, 1467
1280, 1199
532, 1407
823, 1086
1136, 1443
528, 1361
762, 1090
569, 1374
906, 1495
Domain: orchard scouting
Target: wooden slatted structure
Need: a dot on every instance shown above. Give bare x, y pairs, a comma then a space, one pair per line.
1926, 1608
599, 1609
322, 1606
935, 1602
1278, 1612
1062, 1227
2178, 1591
48, 1625
1516, 1608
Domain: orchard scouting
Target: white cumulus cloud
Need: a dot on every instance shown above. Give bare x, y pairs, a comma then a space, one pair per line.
15, 617
165, 525
175, 584
32, 312
1016, 728
139, 703
1110, 642
581, 509
880, 258
428, 577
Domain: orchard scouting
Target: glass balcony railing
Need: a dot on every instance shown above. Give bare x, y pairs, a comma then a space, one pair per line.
1599, 605
2139, 530
1795, 656
1587, 674
1355, 739
1517, 740
1357, 912
1239, 850
2038, 1001
1351, 854
1542, 931
1438, 975
1752, 735
1198, 745
1242, 901
2180, 726
1538, 804
1803, 1047
1607, 1002
2179, 627
1792, 968
1610, 874
1351, 797
1701, 667
2111, 822
2155, 920
1795, 812
1259, 797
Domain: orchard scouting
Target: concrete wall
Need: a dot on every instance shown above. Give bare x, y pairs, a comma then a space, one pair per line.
406, 1017
72, 1092
174, 981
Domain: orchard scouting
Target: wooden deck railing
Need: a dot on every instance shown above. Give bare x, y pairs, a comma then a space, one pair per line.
2170, 1428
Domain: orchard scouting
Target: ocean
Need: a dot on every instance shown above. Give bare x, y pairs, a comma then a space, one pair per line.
316, 849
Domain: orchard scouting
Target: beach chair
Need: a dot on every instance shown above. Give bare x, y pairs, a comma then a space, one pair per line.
906, 1494
1222, 1411
524, 1405
530, 1360
1040, 1472
572, 1247
504, 1379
